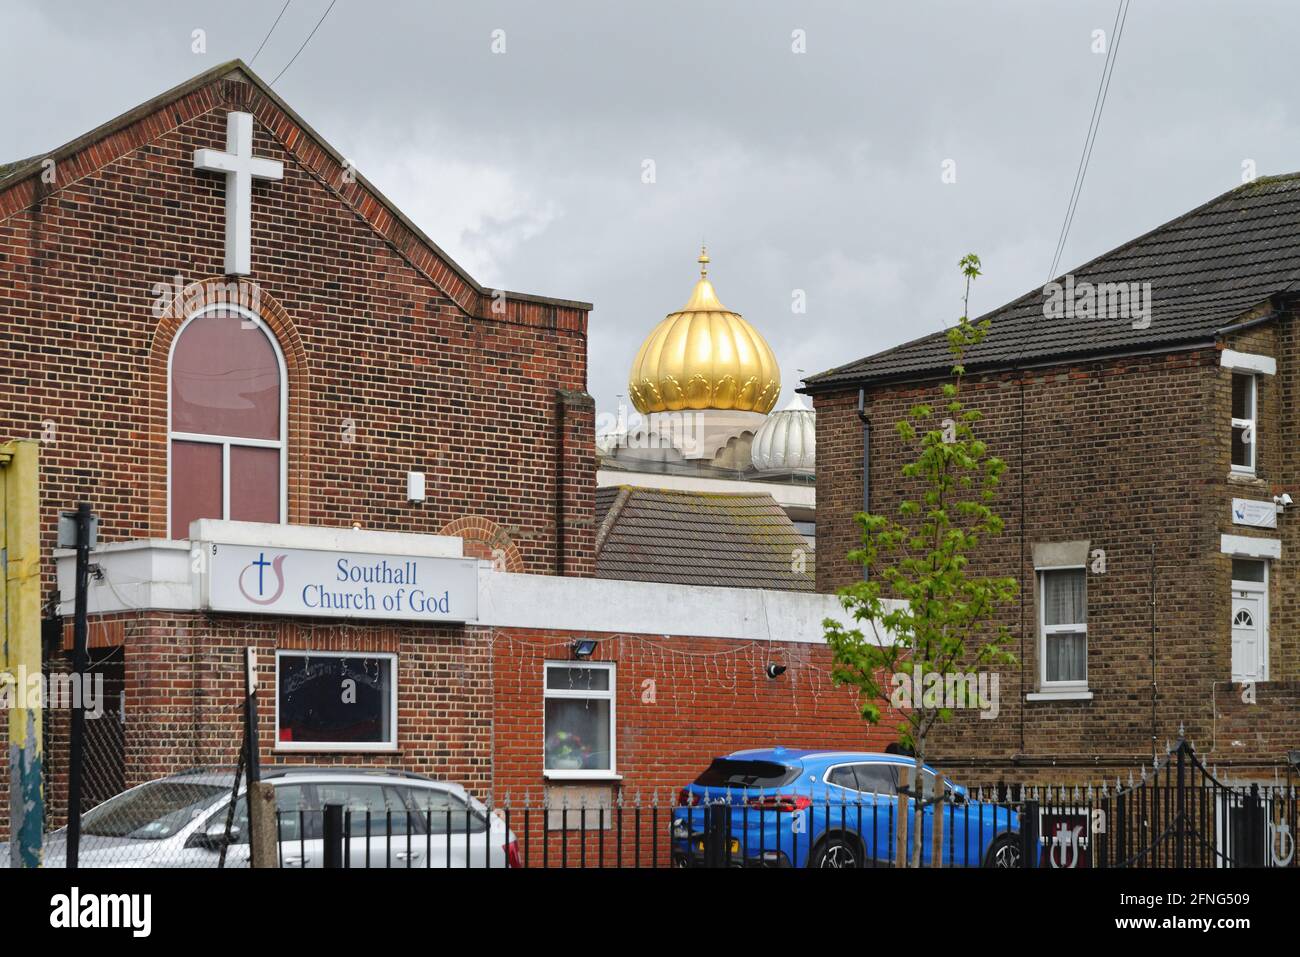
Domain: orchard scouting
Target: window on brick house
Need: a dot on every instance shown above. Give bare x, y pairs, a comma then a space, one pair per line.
335, 701
1063, 629
578, 729
227, 421
1244, 401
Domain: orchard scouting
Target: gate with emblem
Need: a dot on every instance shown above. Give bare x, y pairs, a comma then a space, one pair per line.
1179, 813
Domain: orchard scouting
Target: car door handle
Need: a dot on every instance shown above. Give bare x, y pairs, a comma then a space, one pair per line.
296, 861
407, 855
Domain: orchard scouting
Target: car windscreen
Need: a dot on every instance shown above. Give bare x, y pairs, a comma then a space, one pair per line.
734, 773
151, 812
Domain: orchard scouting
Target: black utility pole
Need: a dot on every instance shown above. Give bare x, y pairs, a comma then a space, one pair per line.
250, 750
250, 717
79, 668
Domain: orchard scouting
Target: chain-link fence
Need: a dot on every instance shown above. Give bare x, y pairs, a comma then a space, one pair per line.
123, 822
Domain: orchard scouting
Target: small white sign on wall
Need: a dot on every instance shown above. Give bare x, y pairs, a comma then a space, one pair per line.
1256, 514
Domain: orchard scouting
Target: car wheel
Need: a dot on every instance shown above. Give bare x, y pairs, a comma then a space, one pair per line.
1004, 853
837, 853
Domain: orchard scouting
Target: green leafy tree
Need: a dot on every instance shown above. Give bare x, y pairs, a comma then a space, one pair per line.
919, 605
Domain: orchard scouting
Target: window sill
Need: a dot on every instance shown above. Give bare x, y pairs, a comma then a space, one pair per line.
582, 776
1059, 696
1245, 478
326, 748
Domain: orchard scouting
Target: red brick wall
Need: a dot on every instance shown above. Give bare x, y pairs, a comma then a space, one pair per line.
471, 708
711, 697
184, 687
1126, 454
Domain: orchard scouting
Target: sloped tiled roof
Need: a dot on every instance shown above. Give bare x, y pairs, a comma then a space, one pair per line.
1207, 268
743, 540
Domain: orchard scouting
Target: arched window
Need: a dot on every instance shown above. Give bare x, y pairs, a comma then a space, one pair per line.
226, 440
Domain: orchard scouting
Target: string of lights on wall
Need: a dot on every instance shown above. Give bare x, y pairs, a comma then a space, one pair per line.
697, 670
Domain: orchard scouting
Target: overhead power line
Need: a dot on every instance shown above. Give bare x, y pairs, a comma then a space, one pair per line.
305, 42
1098, 106
270, 31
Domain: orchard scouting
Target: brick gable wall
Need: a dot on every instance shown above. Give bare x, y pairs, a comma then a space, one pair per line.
395, 362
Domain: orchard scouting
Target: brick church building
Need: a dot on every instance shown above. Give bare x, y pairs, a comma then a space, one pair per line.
307, 431
1148, 456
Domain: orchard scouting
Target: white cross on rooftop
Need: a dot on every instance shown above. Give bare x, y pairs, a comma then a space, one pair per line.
241, 168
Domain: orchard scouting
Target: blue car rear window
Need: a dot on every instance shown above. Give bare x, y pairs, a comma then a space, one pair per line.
732, 773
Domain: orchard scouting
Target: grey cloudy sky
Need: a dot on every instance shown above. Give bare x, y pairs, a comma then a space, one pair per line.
818, 171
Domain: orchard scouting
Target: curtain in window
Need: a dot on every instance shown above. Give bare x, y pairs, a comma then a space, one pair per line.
577, 734
1067, 656
1065, 602
1065, 598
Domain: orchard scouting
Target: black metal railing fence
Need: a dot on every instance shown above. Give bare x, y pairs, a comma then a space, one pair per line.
1177, 814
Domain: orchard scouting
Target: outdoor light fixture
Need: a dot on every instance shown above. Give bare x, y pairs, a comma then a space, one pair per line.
774, 670
583, 648
415, 486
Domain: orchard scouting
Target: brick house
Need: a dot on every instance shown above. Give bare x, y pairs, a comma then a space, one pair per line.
247, 356
1157, 577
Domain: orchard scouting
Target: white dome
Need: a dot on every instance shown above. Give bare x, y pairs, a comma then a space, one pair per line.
787, 441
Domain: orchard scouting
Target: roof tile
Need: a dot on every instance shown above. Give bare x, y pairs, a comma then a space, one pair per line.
739, 540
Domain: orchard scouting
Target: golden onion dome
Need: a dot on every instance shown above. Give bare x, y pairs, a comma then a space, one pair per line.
704, 357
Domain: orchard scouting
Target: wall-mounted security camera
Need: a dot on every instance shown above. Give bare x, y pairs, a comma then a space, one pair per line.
1284, 500
774, 670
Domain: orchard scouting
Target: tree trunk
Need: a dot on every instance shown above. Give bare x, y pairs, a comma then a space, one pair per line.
918, 791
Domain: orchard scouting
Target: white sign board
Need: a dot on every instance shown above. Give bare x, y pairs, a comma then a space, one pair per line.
265, 580
1256, 514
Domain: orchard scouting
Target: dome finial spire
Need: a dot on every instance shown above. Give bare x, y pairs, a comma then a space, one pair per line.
704, 356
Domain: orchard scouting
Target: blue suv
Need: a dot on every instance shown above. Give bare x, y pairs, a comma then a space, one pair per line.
791, 808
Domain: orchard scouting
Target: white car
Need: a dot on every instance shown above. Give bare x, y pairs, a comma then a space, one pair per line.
392, 819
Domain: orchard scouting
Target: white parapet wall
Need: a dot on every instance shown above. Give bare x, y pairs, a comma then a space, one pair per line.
147, 573
159, 575
652, 608
787, 495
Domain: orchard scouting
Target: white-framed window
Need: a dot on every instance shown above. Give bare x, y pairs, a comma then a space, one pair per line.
335, 701
579, 721
227, 419
1063, 629
1245, 394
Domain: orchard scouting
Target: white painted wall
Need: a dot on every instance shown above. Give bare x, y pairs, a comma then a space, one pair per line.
650, 608
787, 496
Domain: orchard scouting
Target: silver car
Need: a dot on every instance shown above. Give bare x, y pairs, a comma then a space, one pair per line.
392, 819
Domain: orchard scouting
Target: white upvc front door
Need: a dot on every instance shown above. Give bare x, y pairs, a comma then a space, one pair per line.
1249, 631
